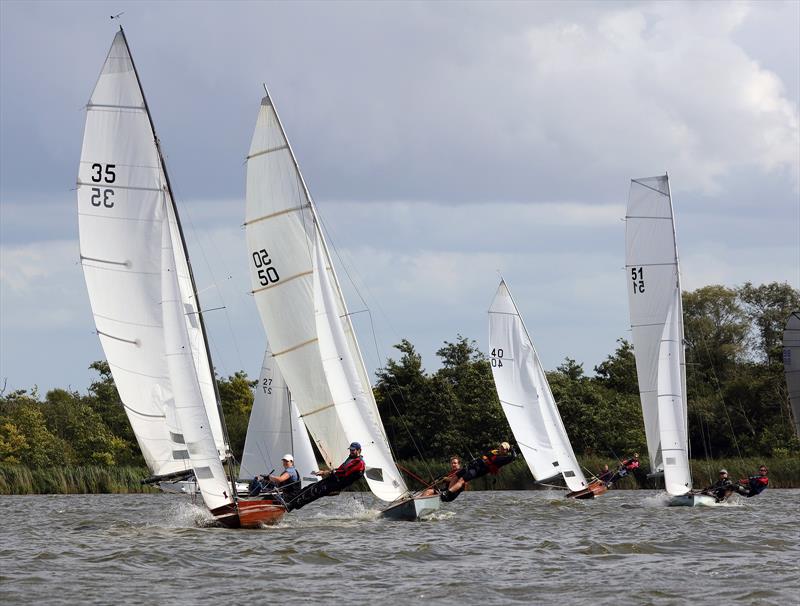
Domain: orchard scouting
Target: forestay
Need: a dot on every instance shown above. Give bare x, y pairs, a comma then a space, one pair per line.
129, 238
791, 364
525, 395
656, 312
275, 428
353, 398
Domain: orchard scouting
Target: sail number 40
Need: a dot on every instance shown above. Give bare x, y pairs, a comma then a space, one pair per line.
497, 357
637, 275
266, 273
103, 196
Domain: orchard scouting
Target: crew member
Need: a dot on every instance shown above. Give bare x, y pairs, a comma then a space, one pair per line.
722, 488
450, 486
287, 482
332, 481
754, 484
491, 463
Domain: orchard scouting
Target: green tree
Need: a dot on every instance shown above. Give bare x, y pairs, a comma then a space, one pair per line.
236, 395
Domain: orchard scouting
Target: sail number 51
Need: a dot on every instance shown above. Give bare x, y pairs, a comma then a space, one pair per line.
637, 275
266, 273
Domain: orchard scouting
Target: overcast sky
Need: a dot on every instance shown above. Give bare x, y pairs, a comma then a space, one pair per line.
441, 141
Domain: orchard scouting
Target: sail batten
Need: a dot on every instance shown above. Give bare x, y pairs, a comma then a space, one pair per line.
525, 395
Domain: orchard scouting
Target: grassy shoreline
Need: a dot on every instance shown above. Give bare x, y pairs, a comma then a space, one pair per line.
19, 479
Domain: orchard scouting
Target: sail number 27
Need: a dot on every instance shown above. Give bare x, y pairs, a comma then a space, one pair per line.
266, 273
103, 196
637, 275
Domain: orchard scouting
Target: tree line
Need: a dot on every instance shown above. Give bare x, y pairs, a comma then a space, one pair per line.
738, 401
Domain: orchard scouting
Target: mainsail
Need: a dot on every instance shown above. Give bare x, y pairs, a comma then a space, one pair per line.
275, 428
656, 312
140, 285
791, 364
282, 233
525, 395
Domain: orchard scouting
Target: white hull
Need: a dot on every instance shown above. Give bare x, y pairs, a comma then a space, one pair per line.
693, 500
412, 509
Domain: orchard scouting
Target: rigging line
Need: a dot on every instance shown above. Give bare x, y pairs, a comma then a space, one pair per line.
331, 242
186, 212
721, 396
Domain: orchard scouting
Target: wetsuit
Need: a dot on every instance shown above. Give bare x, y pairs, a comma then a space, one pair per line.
755, 485
341, 477
488, 463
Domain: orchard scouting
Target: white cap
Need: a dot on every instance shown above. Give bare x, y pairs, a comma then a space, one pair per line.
288, 457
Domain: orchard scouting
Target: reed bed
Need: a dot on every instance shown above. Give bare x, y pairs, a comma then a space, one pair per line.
18, 479
784, 472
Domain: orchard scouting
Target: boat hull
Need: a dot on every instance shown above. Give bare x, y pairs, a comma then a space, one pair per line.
592, 490
250, 513
693, 500
412, 509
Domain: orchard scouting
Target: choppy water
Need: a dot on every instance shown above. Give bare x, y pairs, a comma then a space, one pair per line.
485, 548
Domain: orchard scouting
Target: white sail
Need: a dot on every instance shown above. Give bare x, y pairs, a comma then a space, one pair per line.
120, 216
352, 397
525, 395
188, 400
282, 229
139, 284
275, 429
791, 365
654, 297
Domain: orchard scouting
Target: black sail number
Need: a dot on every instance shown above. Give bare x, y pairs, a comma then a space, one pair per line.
267, 385
497, 357
103, 196
267, 274
103, 173
637, 275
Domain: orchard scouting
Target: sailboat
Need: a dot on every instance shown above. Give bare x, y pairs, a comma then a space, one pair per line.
144, 298
791, 365
275, 428
656, 313
306, 320
528, 402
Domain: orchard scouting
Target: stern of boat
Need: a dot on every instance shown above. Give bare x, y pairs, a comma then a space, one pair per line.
412, 509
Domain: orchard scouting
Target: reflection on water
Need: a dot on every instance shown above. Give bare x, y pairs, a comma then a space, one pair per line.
626, 547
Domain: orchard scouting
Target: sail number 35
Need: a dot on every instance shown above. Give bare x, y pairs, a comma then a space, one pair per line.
103, 196
497, 357
637, 275
266, 273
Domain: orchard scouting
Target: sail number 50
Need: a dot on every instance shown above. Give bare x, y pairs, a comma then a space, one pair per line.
637, 275
266, 273
497, 357
103, 196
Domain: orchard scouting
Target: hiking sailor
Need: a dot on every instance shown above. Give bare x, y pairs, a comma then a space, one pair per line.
754, 484
333, 481
287, 482
450, 486
491, 463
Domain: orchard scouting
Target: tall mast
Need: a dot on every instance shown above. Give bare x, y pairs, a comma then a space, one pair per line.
228, 453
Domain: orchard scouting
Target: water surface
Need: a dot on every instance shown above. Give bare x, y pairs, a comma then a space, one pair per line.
485, 548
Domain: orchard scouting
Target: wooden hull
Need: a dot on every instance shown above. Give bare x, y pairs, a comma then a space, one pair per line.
412, 509
594, 489
250, 513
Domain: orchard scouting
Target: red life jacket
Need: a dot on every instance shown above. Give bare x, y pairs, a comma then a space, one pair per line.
489, 460
353, 465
